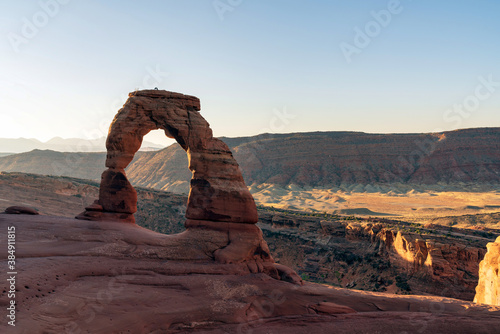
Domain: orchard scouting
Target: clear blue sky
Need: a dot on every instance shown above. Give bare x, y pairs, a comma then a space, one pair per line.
248, 60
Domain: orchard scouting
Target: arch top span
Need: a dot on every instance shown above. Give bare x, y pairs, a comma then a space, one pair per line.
149, 110
217, 191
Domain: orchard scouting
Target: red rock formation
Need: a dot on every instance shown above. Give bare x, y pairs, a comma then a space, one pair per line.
447, 263
488, 288
219, 203
438, 260
376, 254
217, 193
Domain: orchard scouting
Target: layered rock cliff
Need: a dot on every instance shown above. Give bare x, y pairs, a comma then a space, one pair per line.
378, 254
462, 158
325, 159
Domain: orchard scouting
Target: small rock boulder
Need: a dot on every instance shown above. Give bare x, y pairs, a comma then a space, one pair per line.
20, 210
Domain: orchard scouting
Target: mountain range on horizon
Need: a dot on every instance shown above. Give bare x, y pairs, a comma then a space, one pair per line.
315, 159
20, 145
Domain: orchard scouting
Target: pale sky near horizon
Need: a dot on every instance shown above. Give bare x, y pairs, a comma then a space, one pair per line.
257, 65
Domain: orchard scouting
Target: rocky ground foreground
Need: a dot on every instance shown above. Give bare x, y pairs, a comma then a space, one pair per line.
76, 276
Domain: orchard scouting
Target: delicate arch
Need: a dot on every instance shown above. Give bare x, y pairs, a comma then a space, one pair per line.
217, 190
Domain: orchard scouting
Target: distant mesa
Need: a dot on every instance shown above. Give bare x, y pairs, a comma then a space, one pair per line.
467, 160
219, 207
20, 145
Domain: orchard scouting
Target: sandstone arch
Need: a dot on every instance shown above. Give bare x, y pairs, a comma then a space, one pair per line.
221, 213
217, 191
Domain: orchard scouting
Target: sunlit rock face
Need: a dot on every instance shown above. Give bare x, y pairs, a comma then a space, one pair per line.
435, 265
488, 288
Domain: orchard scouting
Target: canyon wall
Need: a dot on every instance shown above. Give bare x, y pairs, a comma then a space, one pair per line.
377, 254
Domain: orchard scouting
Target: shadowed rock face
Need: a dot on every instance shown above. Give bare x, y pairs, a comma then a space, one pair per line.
217, 193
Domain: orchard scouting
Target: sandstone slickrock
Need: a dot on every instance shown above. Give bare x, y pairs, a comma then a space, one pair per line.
21, 210
103, 277
219, 204
488, 288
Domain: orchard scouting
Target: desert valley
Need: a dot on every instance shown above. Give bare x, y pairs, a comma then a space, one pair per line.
249, 167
